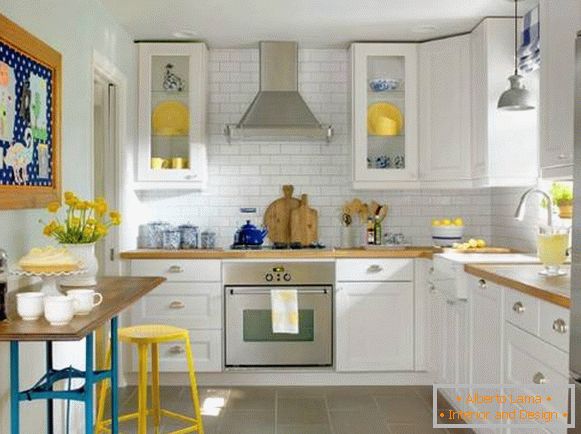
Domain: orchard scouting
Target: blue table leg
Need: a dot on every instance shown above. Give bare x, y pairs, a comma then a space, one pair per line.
49, 402
14, 389
89, 381
114, 378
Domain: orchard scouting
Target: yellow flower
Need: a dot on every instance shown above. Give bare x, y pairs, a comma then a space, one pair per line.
82, 205
70, 199
101, 230
100, 199
100, 207
69, 194
115, 218
91, 222
53, 207
88, 231
74, 221
50, 228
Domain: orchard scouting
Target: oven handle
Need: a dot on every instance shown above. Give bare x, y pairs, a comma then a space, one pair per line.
241, 291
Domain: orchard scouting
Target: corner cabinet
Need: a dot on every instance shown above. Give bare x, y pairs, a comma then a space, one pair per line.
384, 86
171, 152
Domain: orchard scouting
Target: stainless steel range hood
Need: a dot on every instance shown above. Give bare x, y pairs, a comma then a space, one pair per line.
279, 111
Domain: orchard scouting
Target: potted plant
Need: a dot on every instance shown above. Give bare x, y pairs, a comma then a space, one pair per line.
562, 195
83, 224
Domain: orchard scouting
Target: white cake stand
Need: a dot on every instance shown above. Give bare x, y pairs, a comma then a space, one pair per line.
49, 280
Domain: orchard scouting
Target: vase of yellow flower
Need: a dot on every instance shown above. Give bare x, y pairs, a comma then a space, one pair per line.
83, 224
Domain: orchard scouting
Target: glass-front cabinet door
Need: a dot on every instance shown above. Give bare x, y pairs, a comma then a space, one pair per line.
172, 115
384, 114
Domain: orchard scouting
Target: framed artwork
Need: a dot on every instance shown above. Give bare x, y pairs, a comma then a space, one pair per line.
30, 119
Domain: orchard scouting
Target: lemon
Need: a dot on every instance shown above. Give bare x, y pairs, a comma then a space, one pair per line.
446, 222
472, 243
458, 221
436, 222
481, 243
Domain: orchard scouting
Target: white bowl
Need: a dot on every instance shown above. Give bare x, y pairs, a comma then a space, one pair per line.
445, 236
30, 305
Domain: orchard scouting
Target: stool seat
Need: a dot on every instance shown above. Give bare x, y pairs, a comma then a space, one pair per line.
145, 337
151, 334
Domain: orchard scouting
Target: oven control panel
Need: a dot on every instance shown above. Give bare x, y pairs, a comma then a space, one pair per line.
278, 274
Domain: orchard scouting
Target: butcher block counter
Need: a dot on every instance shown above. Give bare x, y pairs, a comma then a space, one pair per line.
526, 278
408, 252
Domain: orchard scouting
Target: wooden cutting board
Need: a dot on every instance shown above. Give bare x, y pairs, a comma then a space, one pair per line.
304, 223
277, 216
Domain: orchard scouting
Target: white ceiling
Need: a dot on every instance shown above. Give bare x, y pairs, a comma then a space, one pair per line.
313, 23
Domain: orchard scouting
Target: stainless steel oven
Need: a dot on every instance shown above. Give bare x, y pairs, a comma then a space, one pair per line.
250, 341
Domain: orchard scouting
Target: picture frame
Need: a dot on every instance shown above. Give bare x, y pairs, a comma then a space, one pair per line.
30, 119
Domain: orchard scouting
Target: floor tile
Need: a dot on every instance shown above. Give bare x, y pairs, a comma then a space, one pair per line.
301, 392
403, 408
350, 402
247, 422
304, 429
416, 429
250, 398
360, 422
304, 411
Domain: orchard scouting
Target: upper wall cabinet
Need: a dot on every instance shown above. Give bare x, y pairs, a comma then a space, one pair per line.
560, 22
384, 114
445, 109
171, 152
504, 143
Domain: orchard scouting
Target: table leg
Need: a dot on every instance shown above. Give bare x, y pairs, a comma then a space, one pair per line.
89, 382
14, 388
114, 378
49, 402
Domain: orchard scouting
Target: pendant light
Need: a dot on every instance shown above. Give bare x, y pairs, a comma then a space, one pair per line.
517, 97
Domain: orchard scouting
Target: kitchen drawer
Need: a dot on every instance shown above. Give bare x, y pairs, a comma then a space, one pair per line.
529, 360
522, 310
357, 270
188, 305
206, 347
178, 270
554, 325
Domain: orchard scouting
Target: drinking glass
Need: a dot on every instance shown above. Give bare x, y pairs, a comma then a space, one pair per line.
552, 245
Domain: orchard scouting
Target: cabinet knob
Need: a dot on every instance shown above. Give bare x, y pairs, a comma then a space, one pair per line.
518, 307
177, 305
451, 302
539, 378
431, 270
374, 268
560, 326
190, 176
432, 288
177, 349
176, 269
482, 284
563, 157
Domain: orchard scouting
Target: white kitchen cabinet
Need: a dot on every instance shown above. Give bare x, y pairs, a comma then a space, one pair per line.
171, 152
191, 298
385, 147
560, 22
375, 326
423, 311
486, 331
445, 109
437, 348
504, 143
455, 342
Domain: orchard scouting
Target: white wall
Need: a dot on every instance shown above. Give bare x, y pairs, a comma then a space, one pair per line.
75, 29
251, 174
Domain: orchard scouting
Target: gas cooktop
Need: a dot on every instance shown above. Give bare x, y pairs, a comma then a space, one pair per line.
278, 246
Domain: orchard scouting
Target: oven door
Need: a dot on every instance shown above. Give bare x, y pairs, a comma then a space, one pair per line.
251, 342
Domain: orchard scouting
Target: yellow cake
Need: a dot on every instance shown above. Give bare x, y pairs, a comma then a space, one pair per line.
49, 260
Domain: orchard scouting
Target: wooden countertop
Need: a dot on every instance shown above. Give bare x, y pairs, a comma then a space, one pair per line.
118, 294
408, 252
526, 278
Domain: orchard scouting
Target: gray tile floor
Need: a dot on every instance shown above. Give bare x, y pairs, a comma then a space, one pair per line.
300, 410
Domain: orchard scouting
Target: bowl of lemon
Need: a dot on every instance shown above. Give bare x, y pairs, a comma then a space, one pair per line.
447, 231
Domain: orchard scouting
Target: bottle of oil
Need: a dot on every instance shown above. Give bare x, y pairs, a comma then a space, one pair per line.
370, 231
377, 230
3, 285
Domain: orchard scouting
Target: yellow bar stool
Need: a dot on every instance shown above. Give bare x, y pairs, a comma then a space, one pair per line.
143, 336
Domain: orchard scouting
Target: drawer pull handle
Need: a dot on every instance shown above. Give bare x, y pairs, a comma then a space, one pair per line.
560, 326
482, 284
563, 156
374, 268
518, 307
177, 349
176, 269
431, 270
432, 288
539, 378
177, 305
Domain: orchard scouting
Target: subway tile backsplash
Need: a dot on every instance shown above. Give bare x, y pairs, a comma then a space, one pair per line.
252, 174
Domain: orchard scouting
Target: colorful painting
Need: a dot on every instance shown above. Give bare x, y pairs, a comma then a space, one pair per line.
29, 119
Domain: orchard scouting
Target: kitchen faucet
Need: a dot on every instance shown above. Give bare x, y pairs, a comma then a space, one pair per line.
520, 209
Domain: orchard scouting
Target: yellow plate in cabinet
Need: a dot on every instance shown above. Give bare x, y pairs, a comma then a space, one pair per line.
384, 119
171, 118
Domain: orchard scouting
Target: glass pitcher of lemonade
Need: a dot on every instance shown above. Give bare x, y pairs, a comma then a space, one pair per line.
552, 245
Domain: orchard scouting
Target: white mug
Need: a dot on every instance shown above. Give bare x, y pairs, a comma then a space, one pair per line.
30, 305
59, 309
85, 300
